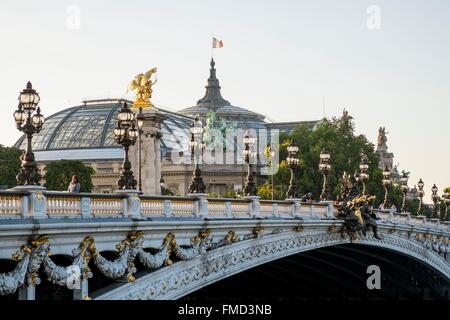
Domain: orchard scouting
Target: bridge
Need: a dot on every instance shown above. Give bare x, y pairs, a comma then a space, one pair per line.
132, 246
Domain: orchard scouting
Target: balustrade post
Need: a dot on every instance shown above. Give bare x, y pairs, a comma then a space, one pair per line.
201, 204
330, 209
167, 208
312, 209
36, 207
131, 203
275, 212
24, 201
86, 211
296, 207
254, 206
408, 218
391, 215
228, 210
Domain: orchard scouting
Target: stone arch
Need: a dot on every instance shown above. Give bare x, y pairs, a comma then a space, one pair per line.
185, 277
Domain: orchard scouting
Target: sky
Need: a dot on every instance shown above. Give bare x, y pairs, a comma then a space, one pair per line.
386, 62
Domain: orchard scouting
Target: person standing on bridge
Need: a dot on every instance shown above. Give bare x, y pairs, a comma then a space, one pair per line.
74, 185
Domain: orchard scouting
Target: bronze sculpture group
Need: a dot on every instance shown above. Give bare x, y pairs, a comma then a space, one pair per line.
356, 210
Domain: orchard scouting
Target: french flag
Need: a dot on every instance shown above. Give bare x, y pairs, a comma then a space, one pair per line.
217, 43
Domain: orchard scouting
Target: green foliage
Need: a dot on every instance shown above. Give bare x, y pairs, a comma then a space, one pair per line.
231, 195
338, 137
58, 175
9, 165
213, 195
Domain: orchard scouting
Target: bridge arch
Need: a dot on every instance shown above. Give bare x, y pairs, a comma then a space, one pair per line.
185, 277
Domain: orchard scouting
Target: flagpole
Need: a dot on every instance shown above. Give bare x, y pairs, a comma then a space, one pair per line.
212, 47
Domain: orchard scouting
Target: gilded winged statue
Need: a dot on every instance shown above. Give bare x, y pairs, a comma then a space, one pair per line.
142, 87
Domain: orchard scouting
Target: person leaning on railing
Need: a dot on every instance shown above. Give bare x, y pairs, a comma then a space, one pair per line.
74, 185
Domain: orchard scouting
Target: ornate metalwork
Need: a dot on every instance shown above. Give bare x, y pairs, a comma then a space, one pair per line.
197, 147
405, 189
363, 176
293, 163
435, 198
324, 168
420, 193
250, 185
387, 182
358, 216
446, 199
29, 122
37, 253
126, 135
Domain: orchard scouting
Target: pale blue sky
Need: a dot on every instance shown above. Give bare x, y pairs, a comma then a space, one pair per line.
280, 58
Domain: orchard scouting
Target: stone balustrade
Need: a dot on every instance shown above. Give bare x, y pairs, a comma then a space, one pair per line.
52, 204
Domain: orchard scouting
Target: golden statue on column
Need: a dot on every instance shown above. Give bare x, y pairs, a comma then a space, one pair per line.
142, 87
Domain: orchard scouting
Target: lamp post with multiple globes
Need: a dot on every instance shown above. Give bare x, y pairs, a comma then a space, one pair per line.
292, 161
29, 120
363, 175
387, 182
126, 135
140, 124
435, 199
404, 187
250, 185
324, 168
446, 199
420, 193
197, 148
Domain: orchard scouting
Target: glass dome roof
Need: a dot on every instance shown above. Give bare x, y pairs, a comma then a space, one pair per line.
91, 125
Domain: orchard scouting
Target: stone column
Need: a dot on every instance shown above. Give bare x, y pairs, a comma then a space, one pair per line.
150, 153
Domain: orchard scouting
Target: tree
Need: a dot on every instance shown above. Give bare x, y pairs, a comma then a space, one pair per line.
58, 175
9, 166
338, 137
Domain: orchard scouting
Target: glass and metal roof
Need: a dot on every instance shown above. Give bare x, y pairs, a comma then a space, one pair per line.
91, 126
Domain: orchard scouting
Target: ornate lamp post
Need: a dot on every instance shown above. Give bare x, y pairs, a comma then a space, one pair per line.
363, 175
420, 193
197, 147
446, 199
140, 124
435, 198
249, 189
324, 168
387, 182
126, 135
29, 122
292, 162
405, 189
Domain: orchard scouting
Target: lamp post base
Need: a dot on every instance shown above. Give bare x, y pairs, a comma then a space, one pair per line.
29, 187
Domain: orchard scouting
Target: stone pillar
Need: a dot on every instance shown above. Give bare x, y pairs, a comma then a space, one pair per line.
131, 203
330, 209
150, 153
201, 203
254, 206
36, 202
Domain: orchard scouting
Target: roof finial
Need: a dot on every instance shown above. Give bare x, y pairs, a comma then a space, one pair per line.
213, 98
